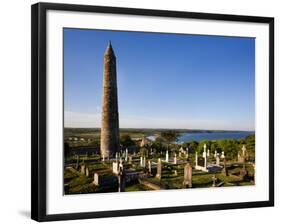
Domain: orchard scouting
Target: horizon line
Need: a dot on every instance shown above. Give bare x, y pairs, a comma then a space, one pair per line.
190, 129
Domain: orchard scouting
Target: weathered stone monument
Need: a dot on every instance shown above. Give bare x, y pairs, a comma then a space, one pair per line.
110, 119
187, 178
242, 156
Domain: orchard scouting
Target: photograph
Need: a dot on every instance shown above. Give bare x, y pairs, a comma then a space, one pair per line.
152, 111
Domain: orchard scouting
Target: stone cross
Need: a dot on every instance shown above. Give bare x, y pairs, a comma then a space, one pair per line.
144, 162
215, 155
208, 152
141, 161
187, 179
167, 156
159, 169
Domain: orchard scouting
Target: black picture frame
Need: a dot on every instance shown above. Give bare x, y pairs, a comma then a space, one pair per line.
38, 108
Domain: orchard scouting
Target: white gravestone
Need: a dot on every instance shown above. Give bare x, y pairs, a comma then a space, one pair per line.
149, 166
218, 160
96, 179
126, 155
167, 156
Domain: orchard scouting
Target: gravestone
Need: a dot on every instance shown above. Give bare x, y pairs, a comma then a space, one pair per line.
149, 166
175, 159
130, 159
159, 169
96, 179
116, 156
121, 180
218, 160
144, 162
115, 167
83, 169
222, 155
167, 156
215, 155
225, 170
87, 171
214, 179
196, 159
126, 155
187, 179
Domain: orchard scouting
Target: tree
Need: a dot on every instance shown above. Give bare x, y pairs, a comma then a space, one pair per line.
126, 141
158, 144
144, 152
170, 136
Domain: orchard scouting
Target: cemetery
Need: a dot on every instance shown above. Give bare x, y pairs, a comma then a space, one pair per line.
144, 168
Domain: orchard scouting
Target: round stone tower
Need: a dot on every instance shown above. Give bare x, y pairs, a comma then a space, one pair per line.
110, 119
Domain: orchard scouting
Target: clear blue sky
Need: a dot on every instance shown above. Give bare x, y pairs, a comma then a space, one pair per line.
164, 80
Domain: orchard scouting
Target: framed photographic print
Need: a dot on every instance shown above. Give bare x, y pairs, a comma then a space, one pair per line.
139, 111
